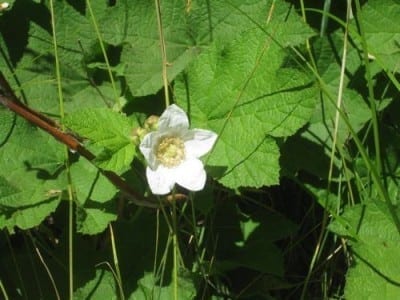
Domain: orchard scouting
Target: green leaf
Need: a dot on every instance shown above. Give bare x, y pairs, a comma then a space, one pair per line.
89, 183
27, 217
102, 286
89, 97
380, 19
29, 62
364, 283
31, 173
328, 200
93, 220
31, 165
148, 288
309, 156
109, 131
321, 128
246, 91
375, 272
238, 160
7, 119
353, 103
258, 255
141, 53
187, 28
322, 122
257, 251
249, 241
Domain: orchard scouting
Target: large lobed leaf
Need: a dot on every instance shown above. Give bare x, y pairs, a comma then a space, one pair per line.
31, 177
249, 92
375, 243
380, 19
188, 27
28, 58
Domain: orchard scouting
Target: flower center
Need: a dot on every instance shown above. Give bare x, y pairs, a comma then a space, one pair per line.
170, 151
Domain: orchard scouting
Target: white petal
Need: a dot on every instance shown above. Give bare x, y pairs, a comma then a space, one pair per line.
198, 142
191, 175
147, 146
173, 117
161, 181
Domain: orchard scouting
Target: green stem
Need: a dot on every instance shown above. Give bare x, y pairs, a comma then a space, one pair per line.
163, 53
371, 97
324, 20
62, 114
374, 173
103, 51
308, 45
175, 251
3, 290
332, 155
116, 263
42, 261
17, 268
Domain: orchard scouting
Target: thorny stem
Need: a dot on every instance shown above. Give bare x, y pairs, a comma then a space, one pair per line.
9, 100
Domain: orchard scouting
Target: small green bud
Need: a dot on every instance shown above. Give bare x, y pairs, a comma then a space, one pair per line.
151, 123
138, 135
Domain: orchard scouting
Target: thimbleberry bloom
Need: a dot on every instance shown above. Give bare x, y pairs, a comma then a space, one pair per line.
172, 153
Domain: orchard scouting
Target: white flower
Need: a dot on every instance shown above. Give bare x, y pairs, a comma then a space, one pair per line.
172, 153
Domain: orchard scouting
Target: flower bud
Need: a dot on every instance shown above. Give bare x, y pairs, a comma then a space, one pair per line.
138, 134
151, 123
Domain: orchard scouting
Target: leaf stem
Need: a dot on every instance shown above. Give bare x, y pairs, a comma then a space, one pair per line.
70, 194
9, 100
3, 290
175, 251
163, 53
340, 91
39, 255
17, 268
116, 263
103, 51
383, 193
371, 97
332, 154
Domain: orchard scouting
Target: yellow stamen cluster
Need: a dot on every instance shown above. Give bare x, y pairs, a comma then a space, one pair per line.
170, 151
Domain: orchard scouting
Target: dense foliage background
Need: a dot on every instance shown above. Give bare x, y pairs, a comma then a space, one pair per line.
303, 183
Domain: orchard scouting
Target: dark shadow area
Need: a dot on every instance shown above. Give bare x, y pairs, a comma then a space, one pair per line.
42, 173
14, 26
78, 5
7, 134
